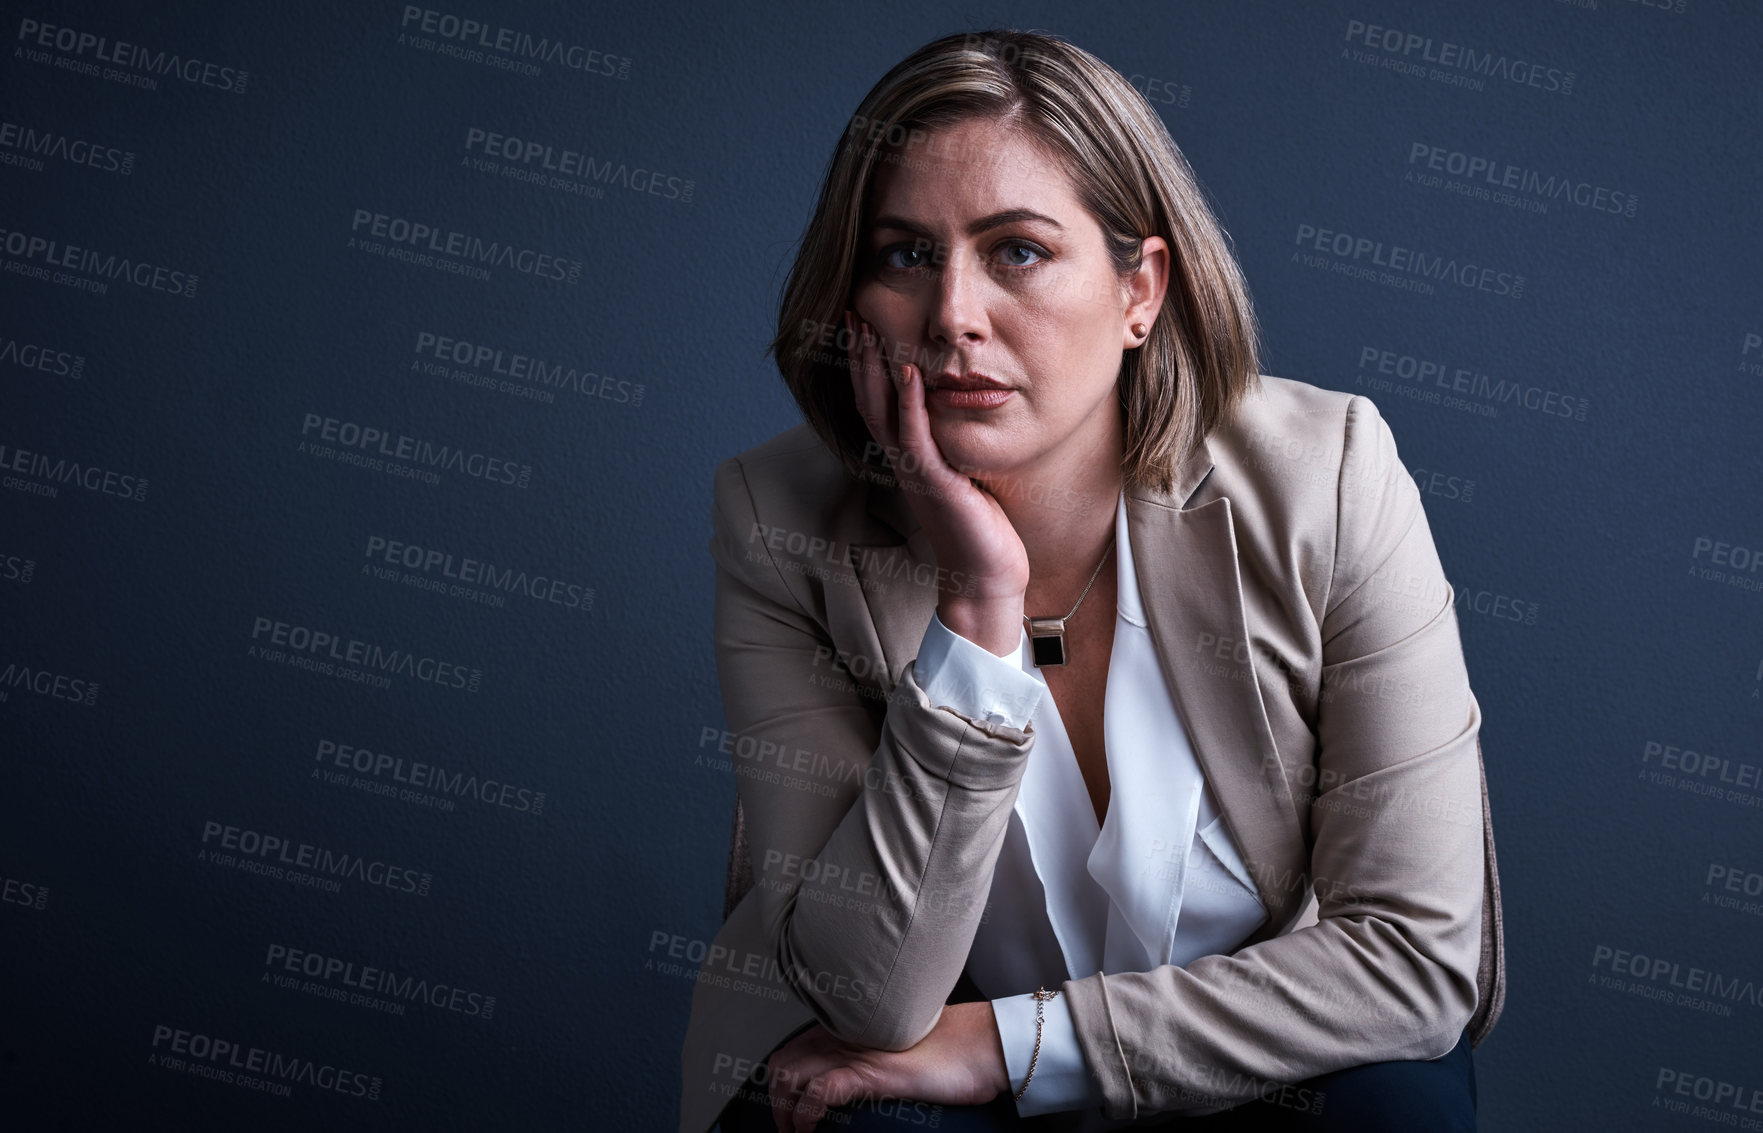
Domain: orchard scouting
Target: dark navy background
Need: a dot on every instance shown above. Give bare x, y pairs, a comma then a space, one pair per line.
1582, 552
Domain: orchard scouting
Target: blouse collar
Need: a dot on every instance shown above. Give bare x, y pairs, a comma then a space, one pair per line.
1114, 892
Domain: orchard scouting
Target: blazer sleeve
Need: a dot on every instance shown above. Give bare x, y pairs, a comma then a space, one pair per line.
1388, 972
872, 841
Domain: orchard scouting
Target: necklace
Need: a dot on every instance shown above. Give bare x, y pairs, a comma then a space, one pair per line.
1046, 636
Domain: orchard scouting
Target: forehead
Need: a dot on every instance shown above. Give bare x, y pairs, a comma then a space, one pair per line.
967, 170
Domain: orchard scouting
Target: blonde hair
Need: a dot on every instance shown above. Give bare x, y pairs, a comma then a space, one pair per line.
1202, 354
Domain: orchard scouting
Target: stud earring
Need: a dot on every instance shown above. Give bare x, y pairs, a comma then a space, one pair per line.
1138, 330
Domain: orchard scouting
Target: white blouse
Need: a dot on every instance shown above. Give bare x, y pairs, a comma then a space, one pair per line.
1160, 882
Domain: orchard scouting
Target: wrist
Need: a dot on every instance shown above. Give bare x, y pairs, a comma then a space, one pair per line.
994, 624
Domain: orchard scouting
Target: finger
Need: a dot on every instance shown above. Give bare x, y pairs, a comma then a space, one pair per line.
782, 1104
790, 1070
839, 1085
914, 427
881, 384
875, 400
854, 363
779, 1078
918, 446
813, 1104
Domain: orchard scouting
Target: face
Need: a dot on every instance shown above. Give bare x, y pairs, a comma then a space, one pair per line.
976, 256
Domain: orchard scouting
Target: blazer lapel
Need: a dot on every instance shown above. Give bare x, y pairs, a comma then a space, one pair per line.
1190, 586
1192, 592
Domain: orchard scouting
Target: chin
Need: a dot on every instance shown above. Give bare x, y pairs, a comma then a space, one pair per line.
977, 450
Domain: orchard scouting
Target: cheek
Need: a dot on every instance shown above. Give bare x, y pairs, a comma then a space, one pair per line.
1061, 341
1075, 305
863, 299
880, 306
1072, 357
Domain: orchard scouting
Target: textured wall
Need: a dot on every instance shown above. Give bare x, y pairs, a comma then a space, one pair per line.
354, 598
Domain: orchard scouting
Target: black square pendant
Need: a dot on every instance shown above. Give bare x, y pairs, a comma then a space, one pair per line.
1046, 640
1048, 650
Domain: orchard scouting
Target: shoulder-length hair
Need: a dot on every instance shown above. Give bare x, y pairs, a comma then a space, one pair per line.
1202, 354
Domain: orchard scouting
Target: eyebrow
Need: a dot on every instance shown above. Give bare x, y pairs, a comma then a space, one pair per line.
983, 224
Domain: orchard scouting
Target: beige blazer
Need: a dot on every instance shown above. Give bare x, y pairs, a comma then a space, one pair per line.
1310, 641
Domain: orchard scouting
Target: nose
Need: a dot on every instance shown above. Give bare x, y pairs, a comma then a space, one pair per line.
958, 303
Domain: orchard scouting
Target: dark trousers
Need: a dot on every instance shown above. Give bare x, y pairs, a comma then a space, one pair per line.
1381, 1096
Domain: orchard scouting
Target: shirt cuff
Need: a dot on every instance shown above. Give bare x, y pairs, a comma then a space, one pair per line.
962, 675
1062, 1079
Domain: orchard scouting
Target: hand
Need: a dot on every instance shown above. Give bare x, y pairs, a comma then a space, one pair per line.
968, 530
961, 1062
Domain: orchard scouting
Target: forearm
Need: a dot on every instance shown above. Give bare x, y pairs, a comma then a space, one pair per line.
872, 835
1301, 1005
1387, 973
885, 914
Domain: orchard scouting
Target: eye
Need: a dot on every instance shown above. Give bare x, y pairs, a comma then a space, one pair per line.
1015, 247
886, 256
1013, 254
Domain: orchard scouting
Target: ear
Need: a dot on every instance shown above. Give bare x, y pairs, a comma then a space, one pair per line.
1145, 289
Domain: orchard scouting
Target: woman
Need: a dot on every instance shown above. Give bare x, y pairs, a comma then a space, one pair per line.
1100, 721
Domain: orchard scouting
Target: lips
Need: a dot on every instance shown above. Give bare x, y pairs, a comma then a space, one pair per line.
973, 379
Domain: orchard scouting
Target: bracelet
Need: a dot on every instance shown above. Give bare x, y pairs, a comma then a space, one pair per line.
1042, 997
